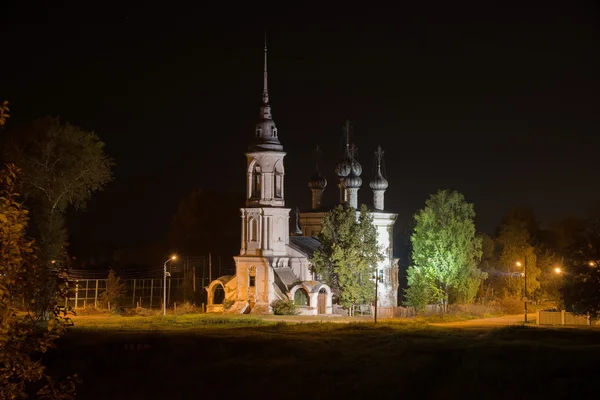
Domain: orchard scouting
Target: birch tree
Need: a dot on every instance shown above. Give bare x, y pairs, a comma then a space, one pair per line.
445, 252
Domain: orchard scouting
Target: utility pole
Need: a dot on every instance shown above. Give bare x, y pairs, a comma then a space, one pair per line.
194, 276
165, 284
376, 292
525, 288
209, 269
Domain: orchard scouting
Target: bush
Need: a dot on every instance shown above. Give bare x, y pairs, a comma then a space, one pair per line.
283, 307
91, 310
509, 305
227, 303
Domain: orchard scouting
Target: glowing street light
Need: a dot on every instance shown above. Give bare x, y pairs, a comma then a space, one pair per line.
591, 264
173, 257
557, 270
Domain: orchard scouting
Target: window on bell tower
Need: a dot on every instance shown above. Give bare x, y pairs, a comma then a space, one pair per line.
278, 178
256, 182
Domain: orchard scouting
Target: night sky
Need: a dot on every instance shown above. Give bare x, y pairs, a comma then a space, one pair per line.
499, 103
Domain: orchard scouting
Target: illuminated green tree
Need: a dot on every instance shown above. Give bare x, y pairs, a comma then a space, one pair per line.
348, 255
445, 252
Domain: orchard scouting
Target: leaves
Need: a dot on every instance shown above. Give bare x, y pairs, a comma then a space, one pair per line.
22, 342
348, 255
445, 252
62, 166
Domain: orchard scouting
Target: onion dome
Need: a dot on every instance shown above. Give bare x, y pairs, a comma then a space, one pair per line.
317, 181
356, 168
379, 182
343, 168
353, 181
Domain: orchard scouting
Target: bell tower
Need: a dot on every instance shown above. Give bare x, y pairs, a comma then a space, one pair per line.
265, 220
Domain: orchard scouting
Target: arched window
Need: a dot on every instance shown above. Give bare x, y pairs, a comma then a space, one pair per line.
278, 178
219, 294
301, 298
252, 230
256, 182
278, 181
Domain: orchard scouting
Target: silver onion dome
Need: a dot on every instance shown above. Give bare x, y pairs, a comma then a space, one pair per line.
356, 168
343, 168
379, 182
353, 181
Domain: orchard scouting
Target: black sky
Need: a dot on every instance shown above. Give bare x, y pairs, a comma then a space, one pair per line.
498, 102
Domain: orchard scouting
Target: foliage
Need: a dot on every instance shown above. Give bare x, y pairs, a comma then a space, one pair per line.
63, 165
22, 341
445, 252
3, 112
227, 303
516, 243
284, 307
348, 255
510, 305
115, 289
582, 280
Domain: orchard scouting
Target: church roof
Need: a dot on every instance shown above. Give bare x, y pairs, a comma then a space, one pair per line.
287, 276
306, 245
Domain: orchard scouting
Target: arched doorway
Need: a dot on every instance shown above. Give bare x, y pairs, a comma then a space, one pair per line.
301, 298
322, 302
219, 294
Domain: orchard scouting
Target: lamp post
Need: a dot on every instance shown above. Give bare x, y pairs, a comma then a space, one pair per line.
165, 284
377, 278
525, 286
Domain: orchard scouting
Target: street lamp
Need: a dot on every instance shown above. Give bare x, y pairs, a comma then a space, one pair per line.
518, 263
557, 270
377, 279
174, 257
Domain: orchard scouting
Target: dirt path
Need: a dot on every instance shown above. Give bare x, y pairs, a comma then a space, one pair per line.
505, 320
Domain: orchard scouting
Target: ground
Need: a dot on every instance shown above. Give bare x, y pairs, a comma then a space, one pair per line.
224, 357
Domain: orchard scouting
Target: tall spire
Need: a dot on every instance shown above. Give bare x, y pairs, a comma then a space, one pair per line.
265, 109
266, 136
265, 86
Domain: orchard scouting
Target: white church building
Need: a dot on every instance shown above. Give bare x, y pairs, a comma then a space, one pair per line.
274, 264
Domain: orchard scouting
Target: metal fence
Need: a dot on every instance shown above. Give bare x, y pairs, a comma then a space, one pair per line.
561, 318
146, 293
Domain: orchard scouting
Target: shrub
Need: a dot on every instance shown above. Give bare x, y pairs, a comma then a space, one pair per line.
283, 307
227, 303
510, 305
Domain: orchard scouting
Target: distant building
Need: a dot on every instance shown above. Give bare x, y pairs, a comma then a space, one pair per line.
274, 265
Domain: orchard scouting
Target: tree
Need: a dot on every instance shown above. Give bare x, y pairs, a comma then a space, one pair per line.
115, 289
63, 165
516, 242
582, 280
22, 342
348, 255
445, 252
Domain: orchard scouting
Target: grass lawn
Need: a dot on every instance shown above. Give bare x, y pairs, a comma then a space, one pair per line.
209, 357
